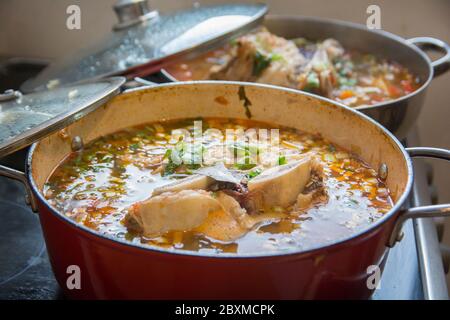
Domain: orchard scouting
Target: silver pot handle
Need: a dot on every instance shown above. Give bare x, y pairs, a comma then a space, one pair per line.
21, 177
441, 65
137, 83
439, 210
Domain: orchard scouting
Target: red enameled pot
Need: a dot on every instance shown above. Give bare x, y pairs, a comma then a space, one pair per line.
114, 269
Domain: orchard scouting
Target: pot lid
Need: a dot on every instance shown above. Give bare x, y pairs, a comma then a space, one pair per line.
25, 119
143, 41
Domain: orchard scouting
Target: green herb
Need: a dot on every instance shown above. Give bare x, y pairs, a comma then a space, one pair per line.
244, 166
141, 134
346, 82
174, 157
282, 160
312, 82
88, 157
260, 63
331, 148
277, 57
167, 154
234, 42
241, 149
169, 168
345, 68
134, 146
192, 153
190, 167
182, 153
254, 173
300, 42
78, 159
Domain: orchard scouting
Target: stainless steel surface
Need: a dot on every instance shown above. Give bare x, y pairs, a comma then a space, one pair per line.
144, 48
383, 171
29, 118
401, 279
440, 65
10, 95
34, 116
430, 258
440, 210
131, 12
398, 115
77, 143
414, 268
445, 251
425, 152
21, 177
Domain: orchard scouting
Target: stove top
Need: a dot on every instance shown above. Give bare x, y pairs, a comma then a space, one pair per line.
25, 271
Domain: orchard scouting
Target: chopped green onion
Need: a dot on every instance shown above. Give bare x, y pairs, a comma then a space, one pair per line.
276, 57
254, 173
282, 160
134, 146
244, 166
312, 82
260, 63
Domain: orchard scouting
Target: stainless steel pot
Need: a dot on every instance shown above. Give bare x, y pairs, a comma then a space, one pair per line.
398, 115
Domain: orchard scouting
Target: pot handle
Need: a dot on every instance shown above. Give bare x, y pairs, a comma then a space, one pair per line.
21, 177
439, 210
441, 65
137, 83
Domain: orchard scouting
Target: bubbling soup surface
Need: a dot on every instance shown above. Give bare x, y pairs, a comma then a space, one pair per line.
110, 186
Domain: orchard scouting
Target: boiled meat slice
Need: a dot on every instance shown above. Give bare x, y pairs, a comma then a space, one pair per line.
194, 182
278, 186
173, 211
227, 224
219, 216
203, 179
321, 68
262, 57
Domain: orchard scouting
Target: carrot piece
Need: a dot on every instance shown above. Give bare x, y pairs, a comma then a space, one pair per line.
346, 94
394, 91
407, 86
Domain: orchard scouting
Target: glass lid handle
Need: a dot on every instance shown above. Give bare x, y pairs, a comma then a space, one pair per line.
10, 94
132, 12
